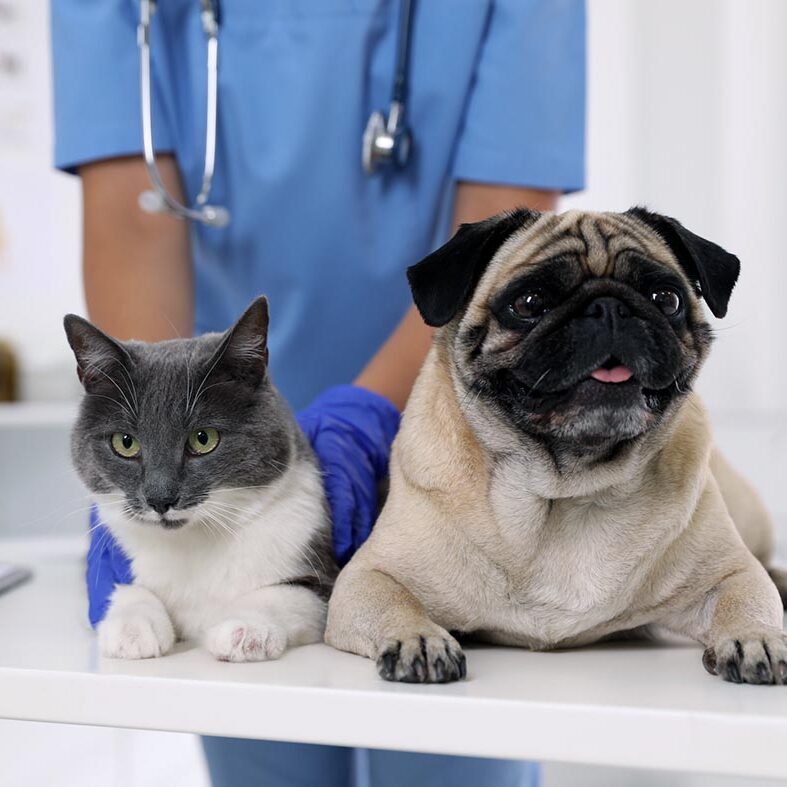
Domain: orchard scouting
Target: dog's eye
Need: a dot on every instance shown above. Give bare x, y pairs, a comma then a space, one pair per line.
529, 305
667, 301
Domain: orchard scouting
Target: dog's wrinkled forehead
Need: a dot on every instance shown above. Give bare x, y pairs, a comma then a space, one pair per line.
597, 244
482, 255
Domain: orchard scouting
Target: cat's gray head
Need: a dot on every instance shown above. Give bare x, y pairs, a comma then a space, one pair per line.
164, 429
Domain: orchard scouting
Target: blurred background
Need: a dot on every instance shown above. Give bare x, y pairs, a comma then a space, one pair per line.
687, 114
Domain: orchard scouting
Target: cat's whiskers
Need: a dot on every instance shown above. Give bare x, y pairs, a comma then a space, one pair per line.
188, 387
220, 355
242, 488
207, 388
209, 526
231, 506
275, 463
114, 401
103, 539
217, 525
236, 515
131, 409
133, 387
57, 513
303, 551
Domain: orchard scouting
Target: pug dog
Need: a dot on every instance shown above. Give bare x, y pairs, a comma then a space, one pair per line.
554, 482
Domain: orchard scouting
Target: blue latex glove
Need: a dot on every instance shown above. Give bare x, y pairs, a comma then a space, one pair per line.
351, 430
107, 566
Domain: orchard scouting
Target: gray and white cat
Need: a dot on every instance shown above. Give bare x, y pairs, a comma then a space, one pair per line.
202, 475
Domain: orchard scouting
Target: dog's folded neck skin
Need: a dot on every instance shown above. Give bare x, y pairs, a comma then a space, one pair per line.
581, 338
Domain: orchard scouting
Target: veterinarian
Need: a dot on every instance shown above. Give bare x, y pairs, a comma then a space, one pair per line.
316, 202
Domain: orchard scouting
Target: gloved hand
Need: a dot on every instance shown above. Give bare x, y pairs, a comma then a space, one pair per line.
351, 430
107, 566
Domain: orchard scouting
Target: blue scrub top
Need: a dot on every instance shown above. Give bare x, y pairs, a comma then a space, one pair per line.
497, 95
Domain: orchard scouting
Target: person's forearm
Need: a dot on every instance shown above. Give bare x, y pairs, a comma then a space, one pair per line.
393, 369
137, 266
476, 201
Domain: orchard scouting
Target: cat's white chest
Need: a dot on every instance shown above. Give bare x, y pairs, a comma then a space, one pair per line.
199, 570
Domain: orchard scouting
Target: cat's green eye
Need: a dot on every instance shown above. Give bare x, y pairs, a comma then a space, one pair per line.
125, 445
202, 441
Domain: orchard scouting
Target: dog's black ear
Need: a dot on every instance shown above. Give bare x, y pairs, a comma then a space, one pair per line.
706, 264
444, 281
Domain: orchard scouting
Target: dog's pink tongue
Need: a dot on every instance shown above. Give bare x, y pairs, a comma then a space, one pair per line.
617, 374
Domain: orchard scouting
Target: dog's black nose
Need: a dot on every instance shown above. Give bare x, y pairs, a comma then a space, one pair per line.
608, 309
162, 504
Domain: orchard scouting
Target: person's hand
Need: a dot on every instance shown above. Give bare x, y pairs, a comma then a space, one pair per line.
351, 430
107, 566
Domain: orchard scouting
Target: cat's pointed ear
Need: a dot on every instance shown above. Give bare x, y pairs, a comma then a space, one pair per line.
705, 263
97, 354
443, 282
243, 352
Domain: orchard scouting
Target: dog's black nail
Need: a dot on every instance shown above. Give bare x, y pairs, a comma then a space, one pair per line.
462, 666
733, 672
764, 673
709, 661
386, 664
419, 669
439, 670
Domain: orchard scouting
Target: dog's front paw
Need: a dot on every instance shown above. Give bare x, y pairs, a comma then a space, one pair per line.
754, 658
422, 659
238, 640
142, 635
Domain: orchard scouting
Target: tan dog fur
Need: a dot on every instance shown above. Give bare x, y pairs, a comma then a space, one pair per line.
514, 551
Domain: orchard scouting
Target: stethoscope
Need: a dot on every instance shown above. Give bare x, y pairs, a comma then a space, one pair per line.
387, 140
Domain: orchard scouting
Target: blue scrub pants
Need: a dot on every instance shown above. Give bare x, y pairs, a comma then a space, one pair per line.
235, 762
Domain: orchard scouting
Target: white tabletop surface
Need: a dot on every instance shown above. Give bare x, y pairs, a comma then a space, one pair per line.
632, 705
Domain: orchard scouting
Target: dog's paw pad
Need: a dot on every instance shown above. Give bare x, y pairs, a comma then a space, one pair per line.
422, 659
749, 659
135, 636
238, 640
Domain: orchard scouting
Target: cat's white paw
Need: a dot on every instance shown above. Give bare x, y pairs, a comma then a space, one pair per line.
239, 640
140, 635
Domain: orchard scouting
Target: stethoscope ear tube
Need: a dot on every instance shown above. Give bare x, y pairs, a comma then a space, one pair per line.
159, 200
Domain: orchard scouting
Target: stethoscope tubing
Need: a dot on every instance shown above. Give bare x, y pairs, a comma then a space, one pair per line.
159, 199
386, 139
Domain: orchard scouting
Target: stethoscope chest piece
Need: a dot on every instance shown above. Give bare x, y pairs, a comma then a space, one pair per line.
385, 141
388, 141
